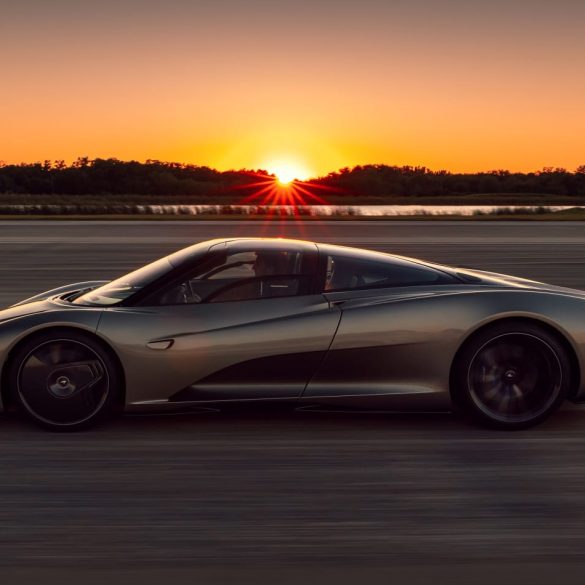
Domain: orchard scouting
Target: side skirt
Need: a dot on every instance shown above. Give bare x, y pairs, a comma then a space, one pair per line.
408, 402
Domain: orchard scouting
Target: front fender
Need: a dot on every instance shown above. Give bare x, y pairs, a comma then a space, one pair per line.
17, 323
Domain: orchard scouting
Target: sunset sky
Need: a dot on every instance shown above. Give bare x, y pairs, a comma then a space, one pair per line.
321, 84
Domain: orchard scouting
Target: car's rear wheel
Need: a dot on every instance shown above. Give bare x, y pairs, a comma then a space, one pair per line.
511, 376
64, 380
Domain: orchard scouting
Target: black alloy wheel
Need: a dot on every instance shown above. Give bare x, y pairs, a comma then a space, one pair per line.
512, 376
64, 380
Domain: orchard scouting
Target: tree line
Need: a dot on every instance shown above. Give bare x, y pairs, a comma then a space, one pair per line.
110, 177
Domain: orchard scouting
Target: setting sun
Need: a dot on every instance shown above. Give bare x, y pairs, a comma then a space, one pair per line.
288, 171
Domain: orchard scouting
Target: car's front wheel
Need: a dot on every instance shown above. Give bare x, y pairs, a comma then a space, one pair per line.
64, 380
511, 375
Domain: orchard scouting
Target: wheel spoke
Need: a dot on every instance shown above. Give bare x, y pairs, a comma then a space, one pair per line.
517, 391
493, 392
35, 362
55, 353
490, 358
504, 399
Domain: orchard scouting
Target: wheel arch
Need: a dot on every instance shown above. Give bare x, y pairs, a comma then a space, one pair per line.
5, 393
561, 336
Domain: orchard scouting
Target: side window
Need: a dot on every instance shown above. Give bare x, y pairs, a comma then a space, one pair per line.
241, 275
346, 273
260, 288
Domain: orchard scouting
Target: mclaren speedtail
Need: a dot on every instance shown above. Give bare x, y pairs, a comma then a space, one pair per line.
313, 326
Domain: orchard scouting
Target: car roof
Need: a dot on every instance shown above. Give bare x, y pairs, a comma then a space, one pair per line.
271, 244
186, 254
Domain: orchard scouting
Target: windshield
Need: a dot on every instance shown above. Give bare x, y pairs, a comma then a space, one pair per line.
125, 286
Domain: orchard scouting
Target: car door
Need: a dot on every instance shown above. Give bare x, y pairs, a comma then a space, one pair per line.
237, 328
390, 328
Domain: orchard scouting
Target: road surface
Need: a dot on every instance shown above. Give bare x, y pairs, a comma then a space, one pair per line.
273, 497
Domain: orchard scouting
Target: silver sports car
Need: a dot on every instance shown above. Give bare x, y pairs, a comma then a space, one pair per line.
310, 325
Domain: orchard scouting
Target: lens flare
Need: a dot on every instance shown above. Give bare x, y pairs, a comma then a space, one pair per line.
277, 200
286, 172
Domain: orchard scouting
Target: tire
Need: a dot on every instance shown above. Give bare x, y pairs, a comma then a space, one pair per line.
511, 376
64, 380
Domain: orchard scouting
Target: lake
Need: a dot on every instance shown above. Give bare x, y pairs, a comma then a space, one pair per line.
287, 210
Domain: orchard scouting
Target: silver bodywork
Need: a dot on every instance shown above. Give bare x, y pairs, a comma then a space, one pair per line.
390, 348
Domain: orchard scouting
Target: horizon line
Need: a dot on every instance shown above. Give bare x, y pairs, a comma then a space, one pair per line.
88, 160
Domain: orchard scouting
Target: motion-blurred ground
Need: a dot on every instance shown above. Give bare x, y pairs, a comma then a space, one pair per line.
272, 497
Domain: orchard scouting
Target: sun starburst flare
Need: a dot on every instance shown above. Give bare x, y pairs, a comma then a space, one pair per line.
283, 190
281, 194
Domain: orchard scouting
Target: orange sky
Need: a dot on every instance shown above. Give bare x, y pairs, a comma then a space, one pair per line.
462, 85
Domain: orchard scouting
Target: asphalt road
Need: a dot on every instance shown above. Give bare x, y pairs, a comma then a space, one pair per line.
272, 497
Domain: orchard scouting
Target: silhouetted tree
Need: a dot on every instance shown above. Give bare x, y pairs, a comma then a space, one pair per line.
113, 177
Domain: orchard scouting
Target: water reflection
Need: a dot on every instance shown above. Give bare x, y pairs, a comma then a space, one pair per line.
287, 210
